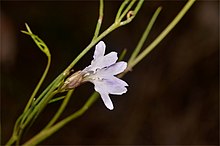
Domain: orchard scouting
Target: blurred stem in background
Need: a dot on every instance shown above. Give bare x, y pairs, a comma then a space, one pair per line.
35, 107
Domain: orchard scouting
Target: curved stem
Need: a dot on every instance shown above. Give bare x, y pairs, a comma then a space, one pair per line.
61, 109
39, 84
163, 33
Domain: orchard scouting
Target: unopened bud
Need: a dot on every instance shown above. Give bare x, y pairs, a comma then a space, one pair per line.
72, 81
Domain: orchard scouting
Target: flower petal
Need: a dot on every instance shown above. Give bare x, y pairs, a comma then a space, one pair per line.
118, 81
104, 61
111, 85
113, 69
99, 50
110, 59
104, 95
115, 86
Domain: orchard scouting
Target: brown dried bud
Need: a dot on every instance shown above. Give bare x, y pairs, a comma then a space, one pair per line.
130, 14
73, 81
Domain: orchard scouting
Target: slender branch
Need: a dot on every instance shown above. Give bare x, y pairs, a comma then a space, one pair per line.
46, 133
115, 25
122, 55
56, 99
163, 34
120, 10
99, 22
106, 32
38, 85
44, 49
33, 114
132, 13
61, 109
145, 35
126, 10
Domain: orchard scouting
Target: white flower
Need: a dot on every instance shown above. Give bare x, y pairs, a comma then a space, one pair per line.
101, 73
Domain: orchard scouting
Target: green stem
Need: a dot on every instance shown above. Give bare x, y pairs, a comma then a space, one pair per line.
122, 55
134, 13
49, 131
38, 85
125, 2
36, 111
50, 88
42, 103
137, 8
106, 32
44, 98
11, 140
115, 25
46, 133
26, 111
163, 34
61, 109
99, 22
56, 99
126, 10
145, 35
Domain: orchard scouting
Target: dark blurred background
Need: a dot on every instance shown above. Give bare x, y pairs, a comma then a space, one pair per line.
173, 95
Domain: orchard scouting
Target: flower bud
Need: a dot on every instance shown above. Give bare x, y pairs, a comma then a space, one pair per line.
73, 81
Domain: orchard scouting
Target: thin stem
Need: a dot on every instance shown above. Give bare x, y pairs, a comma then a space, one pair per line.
137, 8
14, 136
122, 54
45, 97
110, 29
46, 133
48, 95
106, 32
145, 35
43, 47
132, 14
120, 9
29, 113
56, 99
163, 34
99, 22
39, 108
11, 140
26, 111
36, 111
50, 88
38, 85
61, 109
126, 10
